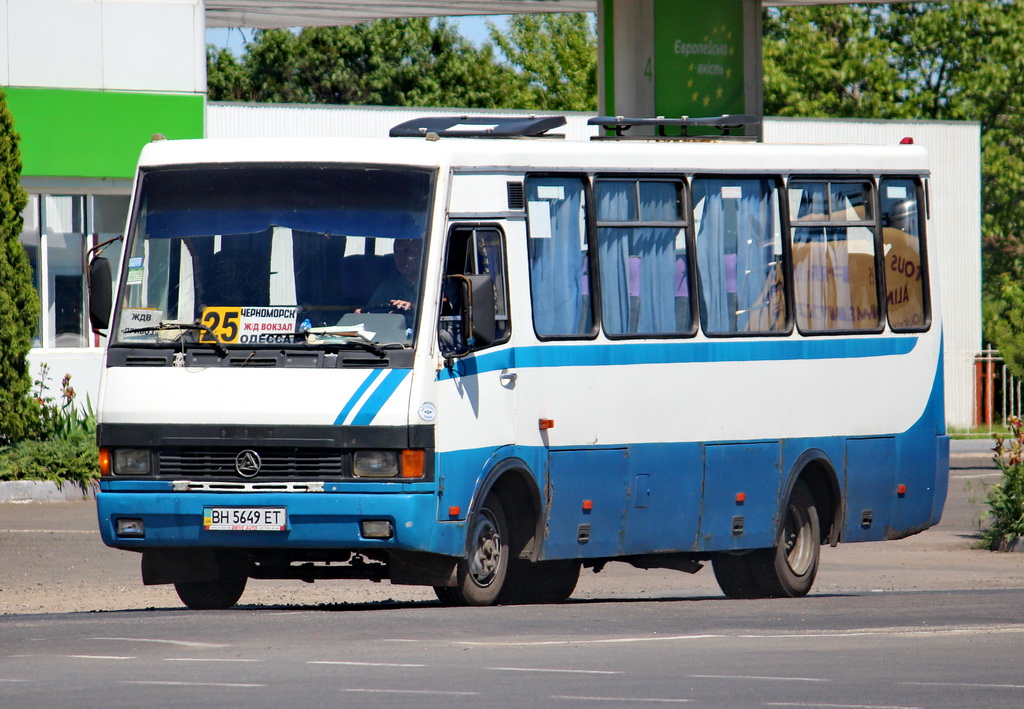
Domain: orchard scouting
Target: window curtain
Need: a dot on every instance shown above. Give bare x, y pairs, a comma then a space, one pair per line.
736, 254
638, 264
556, 274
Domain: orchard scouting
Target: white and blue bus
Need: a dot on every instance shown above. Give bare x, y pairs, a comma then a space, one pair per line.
479, 357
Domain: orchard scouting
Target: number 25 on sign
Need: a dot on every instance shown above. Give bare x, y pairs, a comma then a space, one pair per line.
223, 322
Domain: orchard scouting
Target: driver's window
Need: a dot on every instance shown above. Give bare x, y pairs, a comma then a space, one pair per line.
473, 251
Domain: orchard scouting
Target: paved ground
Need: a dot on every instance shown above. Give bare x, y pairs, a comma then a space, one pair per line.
52, 560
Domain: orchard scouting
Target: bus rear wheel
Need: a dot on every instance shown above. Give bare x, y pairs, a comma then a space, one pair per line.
481, 575
211, 595
788, 569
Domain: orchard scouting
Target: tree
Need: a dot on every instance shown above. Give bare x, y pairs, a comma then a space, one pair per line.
557, 55
394, 62
19, 304
945, 60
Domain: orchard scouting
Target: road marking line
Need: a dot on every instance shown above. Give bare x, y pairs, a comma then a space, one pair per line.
976, 685
207, 659
16, 680
168, 683
852, 633
762, 677
182, 643
545, 669
99, 657
600, 641
628, 700
360, 664
410, 691
838, 706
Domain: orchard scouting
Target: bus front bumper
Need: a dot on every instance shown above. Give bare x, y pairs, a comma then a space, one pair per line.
140, 520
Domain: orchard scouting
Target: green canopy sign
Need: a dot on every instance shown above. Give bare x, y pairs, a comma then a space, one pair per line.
698, 57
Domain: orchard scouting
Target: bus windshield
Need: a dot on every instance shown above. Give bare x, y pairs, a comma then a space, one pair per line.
269, 254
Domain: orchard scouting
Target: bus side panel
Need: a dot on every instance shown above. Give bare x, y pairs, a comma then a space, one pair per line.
587, 492
663, 512
742, 483
870, 488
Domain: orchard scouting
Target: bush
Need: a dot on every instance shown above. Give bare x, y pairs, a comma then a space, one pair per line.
71, 459
1005, 500
63, 448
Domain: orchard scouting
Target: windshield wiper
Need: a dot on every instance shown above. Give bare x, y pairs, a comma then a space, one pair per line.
347, 335
171, 325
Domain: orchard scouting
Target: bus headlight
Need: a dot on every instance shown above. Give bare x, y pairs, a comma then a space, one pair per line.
130, 461
375, 464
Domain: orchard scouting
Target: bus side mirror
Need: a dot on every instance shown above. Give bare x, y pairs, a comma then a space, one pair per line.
478, 322
100, 293
476, 310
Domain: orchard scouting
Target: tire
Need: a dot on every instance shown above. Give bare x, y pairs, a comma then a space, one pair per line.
481, 575
211, 595
788, 569
735, 575
540, 582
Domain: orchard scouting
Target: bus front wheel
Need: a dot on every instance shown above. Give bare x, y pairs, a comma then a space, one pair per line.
481, 575
788, 569
211, 595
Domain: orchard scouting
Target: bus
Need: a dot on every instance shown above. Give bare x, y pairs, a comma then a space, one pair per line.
477, 356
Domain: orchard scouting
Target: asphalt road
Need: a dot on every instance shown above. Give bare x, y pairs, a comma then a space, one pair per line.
928, 621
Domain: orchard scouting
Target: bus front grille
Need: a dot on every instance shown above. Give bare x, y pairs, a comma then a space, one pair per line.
273, 462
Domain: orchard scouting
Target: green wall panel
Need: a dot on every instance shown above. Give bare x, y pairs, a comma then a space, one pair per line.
68, 133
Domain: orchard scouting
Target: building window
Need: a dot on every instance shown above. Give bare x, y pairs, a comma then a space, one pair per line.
59, 230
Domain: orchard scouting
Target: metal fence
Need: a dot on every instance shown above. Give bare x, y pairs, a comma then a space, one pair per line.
997, 393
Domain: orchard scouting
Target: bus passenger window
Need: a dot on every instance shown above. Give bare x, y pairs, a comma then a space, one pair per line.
740, 258
905, 279
559, 253
642, 252
833, 246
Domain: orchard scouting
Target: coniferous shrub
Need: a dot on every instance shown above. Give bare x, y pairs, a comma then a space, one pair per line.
19, 304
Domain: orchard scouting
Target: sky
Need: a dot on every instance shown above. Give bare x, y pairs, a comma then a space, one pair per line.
473, 28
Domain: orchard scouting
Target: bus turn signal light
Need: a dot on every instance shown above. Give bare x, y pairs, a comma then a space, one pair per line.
104, 461
545, 424
412, 463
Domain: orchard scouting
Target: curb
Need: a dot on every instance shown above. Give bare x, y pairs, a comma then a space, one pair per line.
43, 491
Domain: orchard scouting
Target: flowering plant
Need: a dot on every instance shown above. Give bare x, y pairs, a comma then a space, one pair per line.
1005, 500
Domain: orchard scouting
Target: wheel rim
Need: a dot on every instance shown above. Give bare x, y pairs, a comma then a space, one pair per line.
798, 542
486, 556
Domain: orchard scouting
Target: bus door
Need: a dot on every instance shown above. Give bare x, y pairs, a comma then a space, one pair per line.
477, 393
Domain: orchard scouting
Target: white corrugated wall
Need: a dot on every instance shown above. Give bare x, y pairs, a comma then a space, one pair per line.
954, 149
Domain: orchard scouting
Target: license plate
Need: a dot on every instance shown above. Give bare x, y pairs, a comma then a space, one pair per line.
245, 519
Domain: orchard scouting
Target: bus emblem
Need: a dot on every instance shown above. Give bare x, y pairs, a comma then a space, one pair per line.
248, 463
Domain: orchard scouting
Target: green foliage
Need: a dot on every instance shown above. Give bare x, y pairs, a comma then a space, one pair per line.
1005, 500
943, 60
63, 419
557, 55
70, 459
393, 62
63, 448
19, 304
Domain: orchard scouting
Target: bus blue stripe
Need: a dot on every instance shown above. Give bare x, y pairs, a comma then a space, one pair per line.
380, 396
590, 355
350, 404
